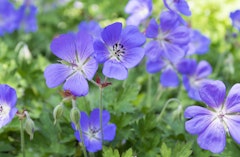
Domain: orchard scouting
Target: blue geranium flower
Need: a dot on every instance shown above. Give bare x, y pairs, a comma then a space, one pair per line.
194, 75
119, 50
178, 6
91, 130
235, 17
169, 37
77, 63
168, 46
92, 27
139, 10
26, 18
199, 44
8, 16
157, 61
8, 99
221, 116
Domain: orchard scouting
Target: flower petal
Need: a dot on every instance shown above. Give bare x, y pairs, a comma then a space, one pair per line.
203, 69
168, 20
213, 93
111, 34
131, 37
154, 66
84, 45
233, 99
183, 7
8, 95
233, 124
192, 89
94, 145
115, 70
169, 78
193, 111
84, 121
180, 35
95, 118
153, 50
63, 46
90, 68
77, 85
173, 52
55, 74
133, 57
198, 123
152, 29
187, 66
109, 132
213, 138
101, 51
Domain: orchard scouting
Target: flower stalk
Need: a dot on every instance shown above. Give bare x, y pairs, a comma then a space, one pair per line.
22, 138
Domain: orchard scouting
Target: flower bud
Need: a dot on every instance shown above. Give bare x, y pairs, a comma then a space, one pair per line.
75, 117
29, 126
57, 112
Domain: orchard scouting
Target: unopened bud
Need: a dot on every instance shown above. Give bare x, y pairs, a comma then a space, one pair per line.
57, 112
29, 126
75, 117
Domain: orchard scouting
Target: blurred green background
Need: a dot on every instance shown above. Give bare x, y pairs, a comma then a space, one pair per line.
133, 103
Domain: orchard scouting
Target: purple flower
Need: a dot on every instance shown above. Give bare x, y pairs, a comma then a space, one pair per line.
7, 17
194, 75
77, 63
169, 36
178, 6
157, 61
235, 17
221, 117
168, 46
139, 10
8, 99
119, 50
91, 130
199, 44
92, 27
27, 17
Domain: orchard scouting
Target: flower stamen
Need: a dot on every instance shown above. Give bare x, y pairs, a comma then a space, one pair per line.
117, 51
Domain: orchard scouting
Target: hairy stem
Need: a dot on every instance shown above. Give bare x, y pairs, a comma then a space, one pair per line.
101, 109
149, 91
22, 138
165, 106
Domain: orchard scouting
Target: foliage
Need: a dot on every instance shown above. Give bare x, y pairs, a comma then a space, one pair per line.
133, 103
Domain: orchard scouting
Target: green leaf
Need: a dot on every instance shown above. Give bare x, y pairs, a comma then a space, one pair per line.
109, 152
182, 149
5, 147
128, 153
165, 151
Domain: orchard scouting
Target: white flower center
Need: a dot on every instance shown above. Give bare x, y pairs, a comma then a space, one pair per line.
92, 133
4, 111
220, 115
117, 51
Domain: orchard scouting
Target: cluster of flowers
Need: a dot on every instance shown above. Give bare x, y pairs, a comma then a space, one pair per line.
169, 49
12, 19
117, 48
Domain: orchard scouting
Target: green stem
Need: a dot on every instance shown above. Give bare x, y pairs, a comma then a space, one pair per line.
165, 106
101, 109
22, 138
91, 154
149, 91
78, 127
95, 83
83, 145
159, 92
